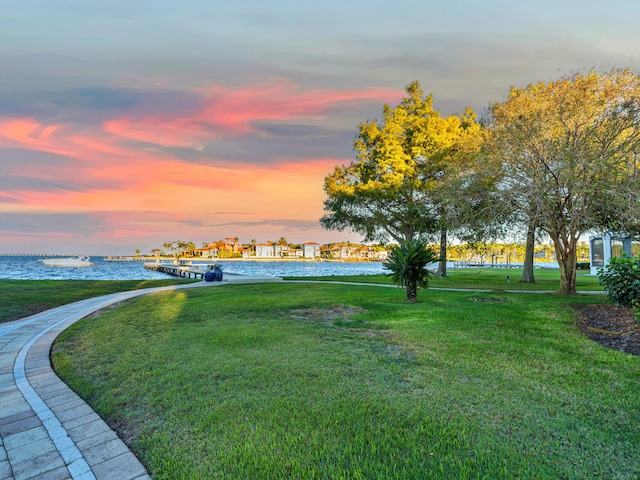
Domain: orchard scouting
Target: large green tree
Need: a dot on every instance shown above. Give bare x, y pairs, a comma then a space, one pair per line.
569, 149
409, 171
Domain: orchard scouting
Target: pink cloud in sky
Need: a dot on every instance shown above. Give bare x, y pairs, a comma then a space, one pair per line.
159, 130
281, 99
236, 111
27, 133
192, 211
61, 139
129, 183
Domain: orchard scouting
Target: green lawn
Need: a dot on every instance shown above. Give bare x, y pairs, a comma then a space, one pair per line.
332, 381
482, 279
21, 298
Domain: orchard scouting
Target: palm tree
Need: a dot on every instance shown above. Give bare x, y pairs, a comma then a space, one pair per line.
407, 263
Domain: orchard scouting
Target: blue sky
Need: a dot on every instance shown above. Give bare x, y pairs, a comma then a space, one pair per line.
125, 124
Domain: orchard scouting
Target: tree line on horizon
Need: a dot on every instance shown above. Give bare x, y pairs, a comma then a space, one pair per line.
556, 160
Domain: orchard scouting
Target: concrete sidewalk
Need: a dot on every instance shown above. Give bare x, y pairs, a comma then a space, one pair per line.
46, 430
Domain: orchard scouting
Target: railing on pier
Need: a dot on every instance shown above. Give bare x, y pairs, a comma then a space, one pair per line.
181, 269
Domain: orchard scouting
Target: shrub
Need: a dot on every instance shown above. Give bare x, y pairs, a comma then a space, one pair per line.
583, 265
407, 264
229, 254
621, 281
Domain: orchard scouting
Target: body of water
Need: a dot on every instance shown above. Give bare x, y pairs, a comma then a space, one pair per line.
31, 268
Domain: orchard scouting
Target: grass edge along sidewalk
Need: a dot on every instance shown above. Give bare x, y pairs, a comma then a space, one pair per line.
21, 298
285, 380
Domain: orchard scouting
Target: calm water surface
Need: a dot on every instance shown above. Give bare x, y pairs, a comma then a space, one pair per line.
31, 268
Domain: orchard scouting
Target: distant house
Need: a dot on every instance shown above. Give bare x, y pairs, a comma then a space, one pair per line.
366, 252
331, 251
352, 251
293, 252
270, 250
348, 250
382, 254
266, 250
213, 249
311, 250
231, 244
210, 251
373, 253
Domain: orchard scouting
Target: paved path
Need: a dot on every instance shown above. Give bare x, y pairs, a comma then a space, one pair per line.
46, 430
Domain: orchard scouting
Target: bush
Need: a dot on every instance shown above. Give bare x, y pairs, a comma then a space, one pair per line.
408, 266
621, 281
229, 254
583, 265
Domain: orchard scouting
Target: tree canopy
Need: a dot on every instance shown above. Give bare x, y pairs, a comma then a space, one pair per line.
569, 152
407, 166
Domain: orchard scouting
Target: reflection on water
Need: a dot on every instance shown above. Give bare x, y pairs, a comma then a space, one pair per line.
31, 268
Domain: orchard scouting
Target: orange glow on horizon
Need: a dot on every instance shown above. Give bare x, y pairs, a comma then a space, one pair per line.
120, 167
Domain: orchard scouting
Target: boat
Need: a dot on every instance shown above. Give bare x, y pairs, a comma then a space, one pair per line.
79, 261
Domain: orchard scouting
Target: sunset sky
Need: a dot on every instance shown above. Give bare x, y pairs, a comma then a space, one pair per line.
126, 124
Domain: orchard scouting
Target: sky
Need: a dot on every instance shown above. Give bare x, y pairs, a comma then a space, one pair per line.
126, 124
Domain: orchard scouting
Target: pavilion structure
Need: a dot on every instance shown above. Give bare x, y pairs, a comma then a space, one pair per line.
605, 245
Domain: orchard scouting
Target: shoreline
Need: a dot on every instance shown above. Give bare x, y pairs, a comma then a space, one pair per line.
239, 259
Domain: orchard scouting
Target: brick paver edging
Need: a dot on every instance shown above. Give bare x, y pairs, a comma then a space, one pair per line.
46, 430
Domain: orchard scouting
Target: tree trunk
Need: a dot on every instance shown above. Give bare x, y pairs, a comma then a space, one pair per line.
442, 264
412, 292
527, 270
566, 257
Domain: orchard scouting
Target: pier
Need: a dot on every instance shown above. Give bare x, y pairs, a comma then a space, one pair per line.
127, 258
179, 270
186, 269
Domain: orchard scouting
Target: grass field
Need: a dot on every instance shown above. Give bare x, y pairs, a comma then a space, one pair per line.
332, 381
484, 279
21, 298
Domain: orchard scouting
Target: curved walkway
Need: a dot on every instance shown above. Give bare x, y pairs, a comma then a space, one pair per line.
46, 430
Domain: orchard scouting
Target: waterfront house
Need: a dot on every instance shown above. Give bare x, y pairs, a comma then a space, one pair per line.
369, 252
366, 252
270, 250
230, 243
207, 252
292, 253
348, 250
266, 250
311, 249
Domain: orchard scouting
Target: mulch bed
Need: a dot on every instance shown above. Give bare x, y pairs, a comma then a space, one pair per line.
611, 326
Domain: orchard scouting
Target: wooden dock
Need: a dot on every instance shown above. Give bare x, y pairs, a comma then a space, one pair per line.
183, 271
187, 270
